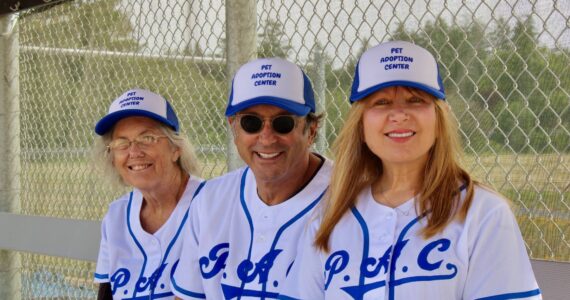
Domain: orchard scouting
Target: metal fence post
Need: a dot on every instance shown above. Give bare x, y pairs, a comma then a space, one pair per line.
241, 47
320, 95
9, 147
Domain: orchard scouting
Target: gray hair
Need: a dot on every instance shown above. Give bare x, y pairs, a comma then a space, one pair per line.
103, 159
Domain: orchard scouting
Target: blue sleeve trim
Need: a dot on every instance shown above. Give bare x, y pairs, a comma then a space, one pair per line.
101, 276
519, 295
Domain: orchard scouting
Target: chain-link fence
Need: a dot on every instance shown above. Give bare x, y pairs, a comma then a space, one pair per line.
505, 67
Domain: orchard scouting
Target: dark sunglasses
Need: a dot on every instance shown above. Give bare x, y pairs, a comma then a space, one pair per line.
282, 124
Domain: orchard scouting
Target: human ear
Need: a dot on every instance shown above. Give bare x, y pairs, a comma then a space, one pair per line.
312, 132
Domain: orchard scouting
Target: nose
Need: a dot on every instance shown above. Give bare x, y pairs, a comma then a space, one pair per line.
134, 149
267, 135
398, 114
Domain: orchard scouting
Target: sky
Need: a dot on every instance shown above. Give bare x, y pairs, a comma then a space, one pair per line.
160, 25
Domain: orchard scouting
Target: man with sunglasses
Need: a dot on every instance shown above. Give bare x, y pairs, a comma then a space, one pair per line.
244, 226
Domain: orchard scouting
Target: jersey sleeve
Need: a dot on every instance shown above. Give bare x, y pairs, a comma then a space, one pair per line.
306, 279
186, 282
499, 266
103, 264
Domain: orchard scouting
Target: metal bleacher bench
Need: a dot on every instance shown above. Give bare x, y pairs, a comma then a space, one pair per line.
79, 239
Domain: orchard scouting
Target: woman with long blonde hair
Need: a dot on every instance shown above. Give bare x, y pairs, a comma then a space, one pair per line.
402, 219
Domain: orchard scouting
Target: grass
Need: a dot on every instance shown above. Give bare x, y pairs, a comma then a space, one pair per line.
538, 187
545, 172
546, 238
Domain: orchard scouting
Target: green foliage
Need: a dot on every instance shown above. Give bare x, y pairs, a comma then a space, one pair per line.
507, 91
64, 94
78, 24
333, 85
52, 120
515, 89
57, 88
345, 76
273, 41
320, 62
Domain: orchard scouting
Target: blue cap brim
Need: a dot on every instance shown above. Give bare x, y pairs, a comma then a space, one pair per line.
290, 106
360, 95
108, 121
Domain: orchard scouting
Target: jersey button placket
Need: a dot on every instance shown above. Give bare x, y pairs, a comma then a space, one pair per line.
390, 228
264, 226
155, 254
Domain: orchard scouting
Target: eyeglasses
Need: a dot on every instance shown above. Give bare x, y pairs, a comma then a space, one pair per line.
282, 124
143, 141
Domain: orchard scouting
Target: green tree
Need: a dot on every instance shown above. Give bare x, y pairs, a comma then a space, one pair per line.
323, 77
273, 41
523, 94
402, 34
500, 36
346, 74
526, 90
317, 58
460, 51
556, 114
461, 54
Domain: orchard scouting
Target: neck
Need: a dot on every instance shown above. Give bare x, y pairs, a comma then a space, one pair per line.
273, 193
397, 184
167, 194
159, 204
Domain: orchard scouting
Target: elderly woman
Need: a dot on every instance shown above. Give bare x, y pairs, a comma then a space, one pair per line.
403, 220
142, 147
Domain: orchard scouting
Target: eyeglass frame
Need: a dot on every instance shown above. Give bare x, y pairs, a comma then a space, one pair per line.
295, 119
156, 138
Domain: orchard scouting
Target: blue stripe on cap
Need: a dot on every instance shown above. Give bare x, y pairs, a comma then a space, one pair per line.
308, 93
355, 96
108, 121
355, 84
291, 106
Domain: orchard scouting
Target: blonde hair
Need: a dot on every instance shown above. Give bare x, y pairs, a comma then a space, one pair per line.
103, 159
356, 167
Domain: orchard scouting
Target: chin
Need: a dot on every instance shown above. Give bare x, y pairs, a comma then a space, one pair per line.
141, 184
270, 176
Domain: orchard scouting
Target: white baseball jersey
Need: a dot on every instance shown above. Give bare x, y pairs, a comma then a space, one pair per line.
136, 263
239, 247
377, 252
